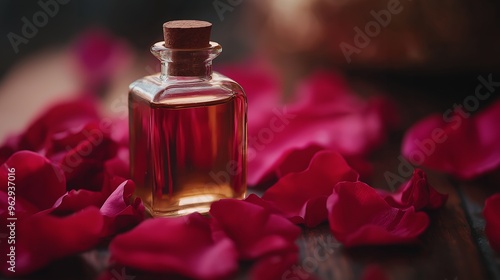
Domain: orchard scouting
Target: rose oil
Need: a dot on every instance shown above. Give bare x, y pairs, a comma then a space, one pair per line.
187, 128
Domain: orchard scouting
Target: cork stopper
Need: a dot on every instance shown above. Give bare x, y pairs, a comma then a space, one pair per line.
187, 34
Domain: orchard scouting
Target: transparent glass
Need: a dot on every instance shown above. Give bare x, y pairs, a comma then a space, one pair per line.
188, 134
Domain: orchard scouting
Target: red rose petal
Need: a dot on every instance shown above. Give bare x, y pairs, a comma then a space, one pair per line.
464, 147
182, 245
62, 116
254, 199
296, 160
43, 238
76, 200
119, 199
99, 56
118, 165
87, 158
43, 231
262, 232
359, 216
276, 267
93, 132
262, 87
9, 147
327, 114
115, 200
120, 210
22, 207
417, 192
491, 214
361, 165
301, 197
110, 182
36, 179
71, 134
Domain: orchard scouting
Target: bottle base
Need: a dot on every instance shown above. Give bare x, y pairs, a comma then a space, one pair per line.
188, 205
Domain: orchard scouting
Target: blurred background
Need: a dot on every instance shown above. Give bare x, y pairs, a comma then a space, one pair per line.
422, 53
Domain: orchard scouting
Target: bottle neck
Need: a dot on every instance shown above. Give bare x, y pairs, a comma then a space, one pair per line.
170, 70
178, 63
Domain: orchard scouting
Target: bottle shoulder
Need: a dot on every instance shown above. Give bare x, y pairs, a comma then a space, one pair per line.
182, 91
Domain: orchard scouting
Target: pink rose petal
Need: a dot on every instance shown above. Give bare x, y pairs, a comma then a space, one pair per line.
36, 179
359, 216
99, 57
59, 117
120, 210
182, 245
301, 197
277, 267
42, 238
255, 230
76, 200
262, 86
52, 224
466, 147
327, 114
417, 192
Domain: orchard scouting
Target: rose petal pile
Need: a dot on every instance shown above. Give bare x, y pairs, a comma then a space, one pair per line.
324, 114
182, 245
68, 195
361, 215
261, 230
301, 196
358, 214
460, 144
210, 248
71, 193
42, 135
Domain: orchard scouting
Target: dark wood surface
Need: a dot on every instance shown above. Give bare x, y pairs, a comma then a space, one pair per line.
453, 247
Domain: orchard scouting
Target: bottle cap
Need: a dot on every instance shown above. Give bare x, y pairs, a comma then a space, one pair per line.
187, 34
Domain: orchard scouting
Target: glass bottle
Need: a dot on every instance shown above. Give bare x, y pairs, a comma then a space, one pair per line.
188, 127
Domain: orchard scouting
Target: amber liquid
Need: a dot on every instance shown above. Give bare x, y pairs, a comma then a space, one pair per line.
188, 152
